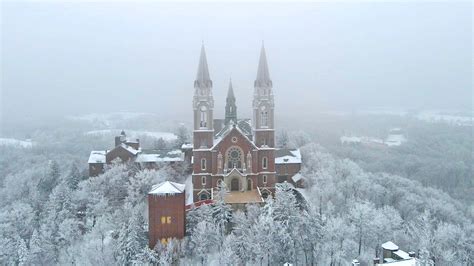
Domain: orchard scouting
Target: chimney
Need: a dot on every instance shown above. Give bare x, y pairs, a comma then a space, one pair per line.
117, 141
376, 261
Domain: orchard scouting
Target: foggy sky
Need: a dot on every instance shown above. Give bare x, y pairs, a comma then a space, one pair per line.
67, 59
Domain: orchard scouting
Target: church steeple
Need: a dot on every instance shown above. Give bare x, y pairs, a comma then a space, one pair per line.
263, 74
203, 104
202, 77
230, 107
263, 104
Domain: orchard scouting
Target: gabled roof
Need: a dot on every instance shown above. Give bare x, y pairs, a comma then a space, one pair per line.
97, 157
283, 156
226, 130
128, 148
297, 177
389, 245
167, 187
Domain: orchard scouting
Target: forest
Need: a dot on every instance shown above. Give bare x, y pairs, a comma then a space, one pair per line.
51, 213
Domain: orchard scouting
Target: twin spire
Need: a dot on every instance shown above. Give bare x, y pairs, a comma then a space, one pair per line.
263, 74
203, 81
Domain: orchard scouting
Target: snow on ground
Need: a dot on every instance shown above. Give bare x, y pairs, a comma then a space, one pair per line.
168, 136
447, 117
395, 140
16, 142
107, 119
454, 117
391, 140
363, 140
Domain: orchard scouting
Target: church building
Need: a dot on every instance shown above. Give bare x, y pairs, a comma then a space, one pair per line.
239, 152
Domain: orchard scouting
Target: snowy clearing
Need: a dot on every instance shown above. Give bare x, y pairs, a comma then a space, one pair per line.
168, 136
16, 142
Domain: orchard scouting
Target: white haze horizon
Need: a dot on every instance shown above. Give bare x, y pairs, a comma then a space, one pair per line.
63, 59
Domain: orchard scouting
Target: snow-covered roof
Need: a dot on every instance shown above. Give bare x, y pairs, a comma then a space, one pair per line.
129, 149
187, 146
390, 246
227, 129
402, 254
284, 156
167, 187
97, 157
149, 156
297, 177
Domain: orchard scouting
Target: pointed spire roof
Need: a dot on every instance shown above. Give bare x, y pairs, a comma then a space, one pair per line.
202, 77
263, 74
230, 92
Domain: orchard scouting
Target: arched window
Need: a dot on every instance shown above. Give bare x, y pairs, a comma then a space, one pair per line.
249, 184
264, 179
203, 164
203, 196
203, 180
264, 162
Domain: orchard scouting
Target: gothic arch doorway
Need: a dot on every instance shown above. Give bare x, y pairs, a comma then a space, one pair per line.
234, 184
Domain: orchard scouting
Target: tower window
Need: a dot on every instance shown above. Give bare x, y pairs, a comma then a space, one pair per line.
203, 180
203, 164
264, 179
264, 116
264, 162
203, 122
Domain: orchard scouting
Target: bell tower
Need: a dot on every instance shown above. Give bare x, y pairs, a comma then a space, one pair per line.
263, 105
203, 105
230, 107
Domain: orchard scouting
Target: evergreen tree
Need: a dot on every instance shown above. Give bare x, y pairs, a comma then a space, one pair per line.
132, 238
22, 252
50, 179
74, 177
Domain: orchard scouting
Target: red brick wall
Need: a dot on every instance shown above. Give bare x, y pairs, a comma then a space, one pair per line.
96, 169
166, 206
118, 152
